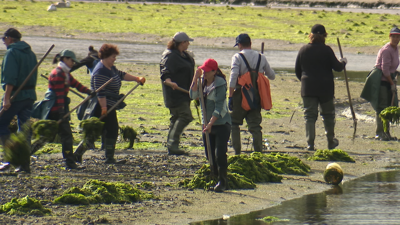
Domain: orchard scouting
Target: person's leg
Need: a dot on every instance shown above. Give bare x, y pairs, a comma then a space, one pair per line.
111, 135
254, 119
222, 133
384, 101
237, 116
212, 138
310, 115
327, 108
23, 116
183, 115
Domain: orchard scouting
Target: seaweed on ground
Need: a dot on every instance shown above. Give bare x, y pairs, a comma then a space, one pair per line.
23, 206
17, 150
331, 155
92, 128
390, 114
44, 130
96, 192
128, 134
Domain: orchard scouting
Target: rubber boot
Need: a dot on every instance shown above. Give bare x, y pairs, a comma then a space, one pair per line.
310, 135
222, 184
257, 141
330, 133
380, 133
235, 139
81, 149
110, 150
69, 160
174, 138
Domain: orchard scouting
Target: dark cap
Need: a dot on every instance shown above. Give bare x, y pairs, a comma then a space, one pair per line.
12, 33
318, 29
242, 39
395, 30
181, 37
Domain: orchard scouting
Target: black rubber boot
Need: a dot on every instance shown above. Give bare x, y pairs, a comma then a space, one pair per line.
176, 152
310, 135
235, 139
110, 150
69, 159
81, 149
330, 133
222, 184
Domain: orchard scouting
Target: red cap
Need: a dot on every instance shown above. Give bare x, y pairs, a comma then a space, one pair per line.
209, 65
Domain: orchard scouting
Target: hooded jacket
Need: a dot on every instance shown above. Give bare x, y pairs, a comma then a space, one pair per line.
18, 62
180, 69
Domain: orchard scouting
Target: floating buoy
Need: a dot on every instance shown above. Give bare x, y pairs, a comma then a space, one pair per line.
333, 174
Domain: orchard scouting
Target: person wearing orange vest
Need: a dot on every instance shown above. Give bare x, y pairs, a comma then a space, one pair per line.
253, 117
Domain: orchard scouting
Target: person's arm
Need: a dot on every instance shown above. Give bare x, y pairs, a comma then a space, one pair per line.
386, 63
235, 71
80, 87
298, 69
98, 81
7, 96
219, 106
270, 73
336, 64
165, 71
9, 77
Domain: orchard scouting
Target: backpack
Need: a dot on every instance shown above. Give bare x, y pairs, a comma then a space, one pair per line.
252, 84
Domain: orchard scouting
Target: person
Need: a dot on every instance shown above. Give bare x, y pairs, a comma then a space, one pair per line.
107, 97
19, 60
314, 64
90, 61
177, 70
217, 113
60, 80
380, 85
253, 116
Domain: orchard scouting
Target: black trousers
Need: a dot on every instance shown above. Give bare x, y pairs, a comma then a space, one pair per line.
110, 128
219, 137
65, 133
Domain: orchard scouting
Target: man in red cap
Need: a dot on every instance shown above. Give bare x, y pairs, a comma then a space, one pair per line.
18, 62
253, 116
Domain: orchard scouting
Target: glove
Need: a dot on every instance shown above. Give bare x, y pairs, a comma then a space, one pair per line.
103, 111
393, 88
343, 60
230, 104
141, 80
91, 93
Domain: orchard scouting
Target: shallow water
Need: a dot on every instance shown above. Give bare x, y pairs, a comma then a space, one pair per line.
373, 199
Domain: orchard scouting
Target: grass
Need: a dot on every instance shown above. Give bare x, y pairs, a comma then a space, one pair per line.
354, 29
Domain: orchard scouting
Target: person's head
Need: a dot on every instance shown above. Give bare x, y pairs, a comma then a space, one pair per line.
92, 51
243, 41
108, 54
210, 70
11, 36
394, 36
180, 41
66, 56
318, 34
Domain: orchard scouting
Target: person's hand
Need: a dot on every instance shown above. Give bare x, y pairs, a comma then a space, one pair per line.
103, 111
173, 85
141, 80
6, 103
393, 87
230, 104
198, 73
343, 60
207, 128
91, 93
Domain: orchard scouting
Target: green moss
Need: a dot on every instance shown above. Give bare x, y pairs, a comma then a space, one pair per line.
390, 114
128, 134
44, 130
331, 155
17, 150
95, 192
91, 128
23, 206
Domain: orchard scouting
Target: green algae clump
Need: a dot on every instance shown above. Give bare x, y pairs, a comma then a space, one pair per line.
24, 206
17, 150
97, 192
390, 114
128, 134
45, 130
331, 155
92, 128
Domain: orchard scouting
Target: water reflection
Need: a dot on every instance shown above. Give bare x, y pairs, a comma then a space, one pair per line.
373, 199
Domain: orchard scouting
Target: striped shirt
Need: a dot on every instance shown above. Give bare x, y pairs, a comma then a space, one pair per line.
101, 75
59, 81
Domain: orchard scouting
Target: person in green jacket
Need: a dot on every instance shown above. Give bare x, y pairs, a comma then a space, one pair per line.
218, 117
18, 62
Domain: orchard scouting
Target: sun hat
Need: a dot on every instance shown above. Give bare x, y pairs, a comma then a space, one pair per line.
209, 65
68, 53
395, 30
182, 36
12, 33
242, 39
318, 29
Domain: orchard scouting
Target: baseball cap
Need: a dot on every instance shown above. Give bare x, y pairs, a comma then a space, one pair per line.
395, 30
318, 29
209, 65
181, 36
68, 53
242, 39
12, 33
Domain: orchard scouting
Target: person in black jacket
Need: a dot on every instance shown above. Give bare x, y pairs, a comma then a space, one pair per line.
90, 61
314, 65
177, 70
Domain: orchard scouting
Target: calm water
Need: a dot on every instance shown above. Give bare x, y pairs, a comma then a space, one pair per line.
373, 199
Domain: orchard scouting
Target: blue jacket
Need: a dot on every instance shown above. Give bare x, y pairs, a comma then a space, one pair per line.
18, 62
215, 102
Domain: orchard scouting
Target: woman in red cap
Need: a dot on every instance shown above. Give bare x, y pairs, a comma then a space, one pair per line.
219, 125
380, 87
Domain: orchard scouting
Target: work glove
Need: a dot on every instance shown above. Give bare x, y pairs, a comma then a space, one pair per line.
103, 111
393, 88
141, 80
91, 93
343, 60
230, 104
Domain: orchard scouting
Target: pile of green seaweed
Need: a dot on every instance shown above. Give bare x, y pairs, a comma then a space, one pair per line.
96, 192
390, 114
91, 128
331, 155
43, 131
24, 206
128, 134
246, 170
17, 150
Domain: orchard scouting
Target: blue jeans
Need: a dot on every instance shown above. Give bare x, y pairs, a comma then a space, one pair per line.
21, 109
